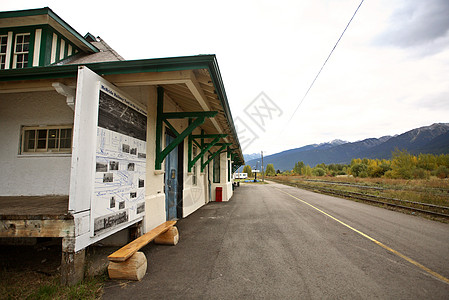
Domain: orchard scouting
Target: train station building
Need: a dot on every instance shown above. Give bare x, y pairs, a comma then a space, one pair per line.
96, 147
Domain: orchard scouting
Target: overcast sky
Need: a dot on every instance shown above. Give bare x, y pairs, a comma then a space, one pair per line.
389, 73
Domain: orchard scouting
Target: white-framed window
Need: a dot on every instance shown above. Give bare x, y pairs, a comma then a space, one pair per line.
21, 50
194, 169
47, 139
3, 51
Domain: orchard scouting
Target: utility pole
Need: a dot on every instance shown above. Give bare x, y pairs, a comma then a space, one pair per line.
263, 173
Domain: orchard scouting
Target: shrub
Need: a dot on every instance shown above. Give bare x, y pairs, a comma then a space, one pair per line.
358, 168
317, 171
442, 172
420, 173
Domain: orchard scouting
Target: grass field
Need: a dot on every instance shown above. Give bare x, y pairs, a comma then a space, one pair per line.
33, 272
34, 285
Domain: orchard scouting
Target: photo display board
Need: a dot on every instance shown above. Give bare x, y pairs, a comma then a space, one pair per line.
119, 188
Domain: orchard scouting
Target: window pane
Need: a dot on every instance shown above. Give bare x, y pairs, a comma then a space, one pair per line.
194, 175
26, 47
29, 140
19, 39
3, 49
66, 133
53, 138
217, 169
42, 134
41, 144
52, 144
19, 48
66, 138
53, 133
41, 139
30, 145
26, 38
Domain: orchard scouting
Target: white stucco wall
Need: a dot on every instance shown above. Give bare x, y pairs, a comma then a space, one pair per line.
38, 174
226, 186
194, 196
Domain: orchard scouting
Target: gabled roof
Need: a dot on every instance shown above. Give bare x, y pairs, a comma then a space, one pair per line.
42, 16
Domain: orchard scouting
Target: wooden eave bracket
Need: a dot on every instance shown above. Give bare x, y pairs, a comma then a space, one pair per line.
196, 119
67, 92
213, 156
204, 147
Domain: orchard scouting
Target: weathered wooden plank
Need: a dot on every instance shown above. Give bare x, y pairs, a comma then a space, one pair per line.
34, 207
37, 228
128, 250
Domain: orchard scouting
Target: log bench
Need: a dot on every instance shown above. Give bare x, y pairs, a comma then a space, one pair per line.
128, 263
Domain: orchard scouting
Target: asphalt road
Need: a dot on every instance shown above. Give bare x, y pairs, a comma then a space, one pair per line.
269, 242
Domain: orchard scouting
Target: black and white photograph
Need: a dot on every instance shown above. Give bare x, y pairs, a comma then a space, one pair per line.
102, 167
142, 155
121, 205
133, 151
119, 117
108, 177
141, 183
109, 221
131, 167
125, 148
113, 165
133, 195
140, 208
112, 202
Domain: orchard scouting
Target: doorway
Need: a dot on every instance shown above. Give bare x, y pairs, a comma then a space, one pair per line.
173, 179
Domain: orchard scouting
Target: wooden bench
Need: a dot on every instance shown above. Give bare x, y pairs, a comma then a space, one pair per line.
128, 263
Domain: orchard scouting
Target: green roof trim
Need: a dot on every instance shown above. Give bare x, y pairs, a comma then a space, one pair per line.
208, 62
48, 11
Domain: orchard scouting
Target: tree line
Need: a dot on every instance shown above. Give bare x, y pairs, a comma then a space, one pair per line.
402, 165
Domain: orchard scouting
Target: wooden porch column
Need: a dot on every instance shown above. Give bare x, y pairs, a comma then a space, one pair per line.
72, 263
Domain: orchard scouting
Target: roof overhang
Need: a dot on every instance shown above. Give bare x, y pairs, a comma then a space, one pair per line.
45, 16
194, 83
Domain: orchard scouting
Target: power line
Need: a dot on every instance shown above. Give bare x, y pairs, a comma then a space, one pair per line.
319, 72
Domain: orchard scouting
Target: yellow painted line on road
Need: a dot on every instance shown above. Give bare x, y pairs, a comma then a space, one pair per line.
424, 268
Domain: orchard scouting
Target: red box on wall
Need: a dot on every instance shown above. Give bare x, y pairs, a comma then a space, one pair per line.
218, 194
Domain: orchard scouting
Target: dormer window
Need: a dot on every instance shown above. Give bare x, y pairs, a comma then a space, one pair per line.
3, 49
21, 49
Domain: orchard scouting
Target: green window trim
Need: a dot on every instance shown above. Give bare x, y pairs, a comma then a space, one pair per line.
45, 48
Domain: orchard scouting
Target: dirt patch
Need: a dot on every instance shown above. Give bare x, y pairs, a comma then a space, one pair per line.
24, 269
33, 272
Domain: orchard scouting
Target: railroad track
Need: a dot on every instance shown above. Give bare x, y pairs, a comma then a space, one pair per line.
440, 190
425, 208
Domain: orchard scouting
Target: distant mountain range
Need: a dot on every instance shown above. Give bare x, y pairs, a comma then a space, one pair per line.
432, 139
